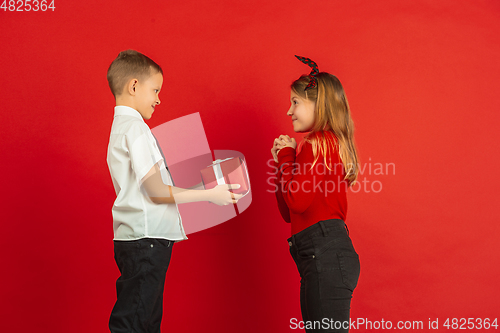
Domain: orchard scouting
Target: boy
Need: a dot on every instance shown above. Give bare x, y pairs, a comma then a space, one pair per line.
146, 221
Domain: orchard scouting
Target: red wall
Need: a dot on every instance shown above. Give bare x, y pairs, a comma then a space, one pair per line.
422, 79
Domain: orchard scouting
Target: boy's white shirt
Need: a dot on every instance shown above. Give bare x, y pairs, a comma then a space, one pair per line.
132, 152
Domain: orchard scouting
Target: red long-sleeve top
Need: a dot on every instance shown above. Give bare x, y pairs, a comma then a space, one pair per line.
306, 196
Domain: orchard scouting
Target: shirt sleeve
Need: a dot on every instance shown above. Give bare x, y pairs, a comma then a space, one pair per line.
296, 179
142, 150
282, 206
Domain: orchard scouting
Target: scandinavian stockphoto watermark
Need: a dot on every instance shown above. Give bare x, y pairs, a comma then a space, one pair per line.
365, 324
356, 324
320, 178
27, 5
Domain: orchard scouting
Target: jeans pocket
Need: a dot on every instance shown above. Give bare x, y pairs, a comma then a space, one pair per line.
350, 268
306, 252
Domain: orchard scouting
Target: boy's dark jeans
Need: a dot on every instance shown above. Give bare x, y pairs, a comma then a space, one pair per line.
143, 265
329, 270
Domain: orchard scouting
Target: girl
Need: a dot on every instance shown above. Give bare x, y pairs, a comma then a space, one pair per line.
311, 195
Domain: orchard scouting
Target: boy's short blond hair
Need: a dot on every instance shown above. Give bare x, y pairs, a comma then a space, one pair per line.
128, 65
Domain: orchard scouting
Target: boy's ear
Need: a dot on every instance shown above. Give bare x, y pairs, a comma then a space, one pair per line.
131, 85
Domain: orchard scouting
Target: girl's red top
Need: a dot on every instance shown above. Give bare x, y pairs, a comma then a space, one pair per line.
306, 196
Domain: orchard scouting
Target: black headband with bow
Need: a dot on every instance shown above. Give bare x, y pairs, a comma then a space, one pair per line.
314, 71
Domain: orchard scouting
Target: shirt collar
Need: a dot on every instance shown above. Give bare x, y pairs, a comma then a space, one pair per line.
122, 110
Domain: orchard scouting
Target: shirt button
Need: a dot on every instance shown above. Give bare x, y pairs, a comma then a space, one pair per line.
151, 245
290, 243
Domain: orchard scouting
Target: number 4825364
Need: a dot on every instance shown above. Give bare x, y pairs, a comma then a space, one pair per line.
27, 5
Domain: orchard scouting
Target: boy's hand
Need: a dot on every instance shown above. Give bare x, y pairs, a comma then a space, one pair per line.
221, 196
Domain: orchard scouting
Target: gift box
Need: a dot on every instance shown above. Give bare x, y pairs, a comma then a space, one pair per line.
231, 170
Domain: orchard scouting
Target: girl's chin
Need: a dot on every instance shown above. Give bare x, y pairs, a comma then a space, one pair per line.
298, 129
301, 131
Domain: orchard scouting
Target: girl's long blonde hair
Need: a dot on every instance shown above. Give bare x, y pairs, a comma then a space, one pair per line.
331, 114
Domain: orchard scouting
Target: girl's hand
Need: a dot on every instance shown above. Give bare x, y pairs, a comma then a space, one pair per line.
282, 142
287, 141
274, 152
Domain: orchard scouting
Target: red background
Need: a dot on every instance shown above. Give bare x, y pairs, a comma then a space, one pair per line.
422, 81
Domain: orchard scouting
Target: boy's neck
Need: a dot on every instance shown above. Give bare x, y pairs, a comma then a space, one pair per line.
125, 101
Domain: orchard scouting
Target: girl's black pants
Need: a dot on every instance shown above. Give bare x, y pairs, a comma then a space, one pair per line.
329, 270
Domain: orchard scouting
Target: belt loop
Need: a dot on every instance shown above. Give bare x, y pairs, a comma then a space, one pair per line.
346, 228
323, 228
